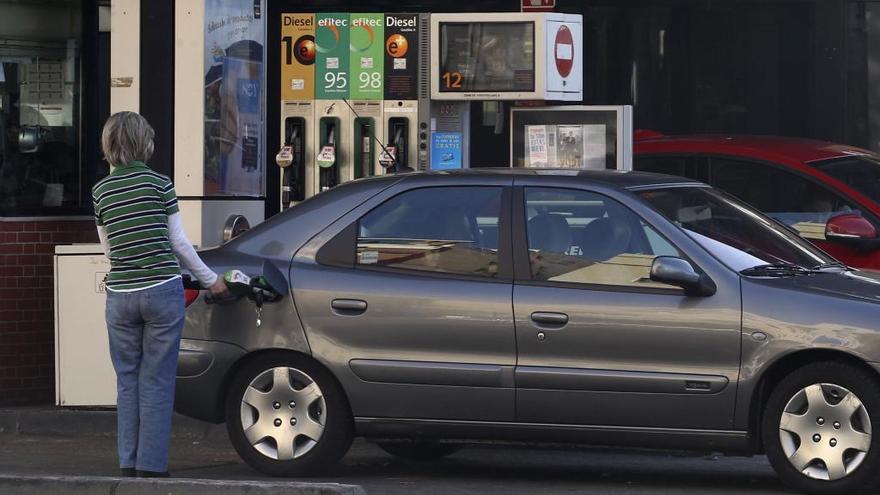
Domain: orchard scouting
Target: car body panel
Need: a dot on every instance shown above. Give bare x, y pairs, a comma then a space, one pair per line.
684, 337
414, 323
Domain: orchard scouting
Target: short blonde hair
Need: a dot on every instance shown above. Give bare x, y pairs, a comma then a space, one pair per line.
127, 137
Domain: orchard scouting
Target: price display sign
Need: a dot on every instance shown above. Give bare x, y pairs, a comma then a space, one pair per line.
298, 53
332, 38
367, 61
490, 57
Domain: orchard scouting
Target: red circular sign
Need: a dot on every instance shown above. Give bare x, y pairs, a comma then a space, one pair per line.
563, 50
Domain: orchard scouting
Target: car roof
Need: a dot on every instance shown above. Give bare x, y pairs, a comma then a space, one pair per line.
610, 178
764, 147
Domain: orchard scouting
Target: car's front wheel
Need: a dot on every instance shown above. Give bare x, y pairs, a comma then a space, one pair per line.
287, 416
818, 429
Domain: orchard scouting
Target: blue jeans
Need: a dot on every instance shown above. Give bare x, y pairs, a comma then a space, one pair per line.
144, 328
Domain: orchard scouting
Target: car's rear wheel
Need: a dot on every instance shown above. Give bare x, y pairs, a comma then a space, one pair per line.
420, 450
287, 416
818, 429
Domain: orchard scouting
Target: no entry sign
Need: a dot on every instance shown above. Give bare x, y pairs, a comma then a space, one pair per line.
563, 50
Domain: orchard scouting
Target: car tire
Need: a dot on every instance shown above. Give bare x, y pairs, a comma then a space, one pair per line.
262, 418
806, 423
419, 451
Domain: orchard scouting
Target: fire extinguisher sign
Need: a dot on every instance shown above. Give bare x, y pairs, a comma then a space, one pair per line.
538, 5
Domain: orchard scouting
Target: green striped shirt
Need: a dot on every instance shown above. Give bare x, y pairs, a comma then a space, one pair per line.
133, 204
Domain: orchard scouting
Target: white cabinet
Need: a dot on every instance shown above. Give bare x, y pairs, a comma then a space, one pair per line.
84, 375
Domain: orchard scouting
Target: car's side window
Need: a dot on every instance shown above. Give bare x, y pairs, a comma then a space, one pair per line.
790, 198
583, 237
436, 229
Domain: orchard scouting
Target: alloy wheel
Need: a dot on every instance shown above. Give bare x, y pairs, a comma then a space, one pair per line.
283, 413
825, 431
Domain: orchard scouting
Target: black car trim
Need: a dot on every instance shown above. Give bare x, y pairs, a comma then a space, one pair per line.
597, 380
433, 373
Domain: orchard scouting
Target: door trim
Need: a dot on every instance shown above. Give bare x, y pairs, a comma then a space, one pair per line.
595, 380
433, 373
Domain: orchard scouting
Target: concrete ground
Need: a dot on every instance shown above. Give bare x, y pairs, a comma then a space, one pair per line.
475, 470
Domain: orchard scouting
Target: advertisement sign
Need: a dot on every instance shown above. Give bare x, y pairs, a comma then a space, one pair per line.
367, 60
233, 98
401, 56
298, 52
332, 61
445, 150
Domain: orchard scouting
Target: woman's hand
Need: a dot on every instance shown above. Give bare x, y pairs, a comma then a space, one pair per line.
219, 289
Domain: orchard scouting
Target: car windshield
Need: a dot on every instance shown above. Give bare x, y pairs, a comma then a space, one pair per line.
860, 172
735, 233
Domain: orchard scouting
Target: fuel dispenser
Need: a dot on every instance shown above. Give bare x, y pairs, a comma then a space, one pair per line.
297, 155
406, 49
367, 138
333, 157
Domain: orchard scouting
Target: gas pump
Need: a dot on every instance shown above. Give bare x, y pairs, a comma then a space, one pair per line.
333, 158
367, 137
297, 155
406, 50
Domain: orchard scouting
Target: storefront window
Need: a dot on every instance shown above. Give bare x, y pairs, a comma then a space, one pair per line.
40, 81
234, 137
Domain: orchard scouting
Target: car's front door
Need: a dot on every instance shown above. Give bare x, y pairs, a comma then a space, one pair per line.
409, 304
598, 342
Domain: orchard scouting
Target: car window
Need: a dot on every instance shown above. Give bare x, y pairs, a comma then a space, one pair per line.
583, 237
787, 197
860, 172
438, 229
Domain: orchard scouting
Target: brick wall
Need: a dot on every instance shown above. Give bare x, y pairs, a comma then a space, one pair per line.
27, 328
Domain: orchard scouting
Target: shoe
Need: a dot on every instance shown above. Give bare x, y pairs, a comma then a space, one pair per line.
153, 474
128, 472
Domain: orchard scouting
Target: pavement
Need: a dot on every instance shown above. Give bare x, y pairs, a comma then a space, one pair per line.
73, 452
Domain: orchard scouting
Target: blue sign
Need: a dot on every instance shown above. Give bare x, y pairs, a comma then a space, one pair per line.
445, 150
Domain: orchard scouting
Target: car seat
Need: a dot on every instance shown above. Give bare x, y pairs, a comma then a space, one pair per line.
604, 238
549, 232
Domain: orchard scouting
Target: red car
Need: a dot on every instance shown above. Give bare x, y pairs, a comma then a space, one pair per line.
829, 193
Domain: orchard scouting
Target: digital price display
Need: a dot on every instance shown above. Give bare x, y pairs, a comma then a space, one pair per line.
492, 57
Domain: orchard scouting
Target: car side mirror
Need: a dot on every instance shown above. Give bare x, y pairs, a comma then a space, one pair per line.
680, 273
852, 229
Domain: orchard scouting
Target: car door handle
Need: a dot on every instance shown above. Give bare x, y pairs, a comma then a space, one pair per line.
349, 306
549, 318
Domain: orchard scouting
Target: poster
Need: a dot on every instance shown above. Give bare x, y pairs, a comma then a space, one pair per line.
367, 58
332, 61
234, 138
445, 150
565, 146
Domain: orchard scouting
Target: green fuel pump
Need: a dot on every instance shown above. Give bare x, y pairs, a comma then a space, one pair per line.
327, 155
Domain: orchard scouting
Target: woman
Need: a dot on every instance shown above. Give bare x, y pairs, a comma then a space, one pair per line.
140, 230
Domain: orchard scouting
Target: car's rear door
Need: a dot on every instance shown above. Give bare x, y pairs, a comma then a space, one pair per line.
598, 342
407, 300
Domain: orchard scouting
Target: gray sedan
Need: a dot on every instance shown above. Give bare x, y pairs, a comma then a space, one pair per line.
426, 311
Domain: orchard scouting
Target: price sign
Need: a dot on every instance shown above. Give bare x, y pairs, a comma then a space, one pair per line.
367, 60
332, 38
298, 52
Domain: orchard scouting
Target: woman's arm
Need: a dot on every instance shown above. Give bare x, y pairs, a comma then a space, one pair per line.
186, 253
102, 237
